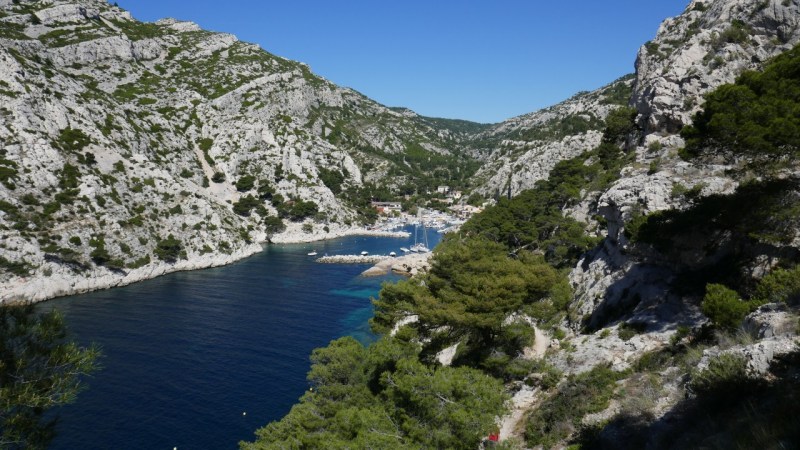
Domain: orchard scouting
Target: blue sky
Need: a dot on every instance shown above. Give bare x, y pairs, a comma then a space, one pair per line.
481, 60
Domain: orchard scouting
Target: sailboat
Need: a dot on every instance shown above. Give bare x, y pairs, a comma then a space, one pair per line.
419, 247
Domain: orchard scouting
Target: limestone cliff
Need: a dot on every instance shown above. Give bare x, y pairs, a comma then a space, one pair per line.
521, 151
117, 134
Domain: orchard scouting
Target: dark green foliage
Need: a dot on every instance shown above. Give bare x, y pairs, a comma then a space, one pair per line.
19, 268
456, 125
383, 397
297, 210
757, 117
724, 375
273, 225
205, 145
245, 205
99, 255
8, 171
72, 140
168, 249
471, 288
619, 124
560, 415
533, 219
40, 369
619, 93
245, 183
724, 306
332, 179
723, 238
737, 33
218, 177
724, 409
780, 285
265, 190
136, 30
558, 128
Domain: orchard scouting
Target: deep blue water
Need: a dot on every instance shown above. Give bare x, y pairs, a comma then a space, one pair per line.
185, 354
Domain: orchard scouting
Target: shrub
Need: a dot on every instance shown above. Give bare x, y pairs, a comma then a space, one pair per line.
755, 116
332, 179
724, 375
245, 183
245, 205
560, 415
72, 140
168, 249
99, 255
723, 306
218, 177
780, 285
19, 268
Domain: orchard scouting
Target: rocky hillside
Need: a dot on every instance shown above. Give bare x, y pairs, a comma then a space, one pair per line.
644, 294
129, 149
706, 46
521, 151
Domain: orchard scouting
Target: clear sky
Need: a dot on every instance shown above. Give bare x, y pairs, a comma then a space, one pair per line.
481, 60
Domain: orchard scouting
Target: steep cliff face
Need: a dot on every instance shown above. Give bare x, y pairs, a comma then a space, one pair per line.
117, 134
521, 151
706, 46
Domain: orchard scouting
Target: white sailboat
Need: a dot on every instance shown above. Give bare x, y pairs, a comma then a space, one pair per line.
420, 247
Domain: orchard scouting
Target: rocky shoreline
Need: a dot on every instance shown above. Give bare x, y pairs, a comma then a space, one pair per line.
408, 265
63, 281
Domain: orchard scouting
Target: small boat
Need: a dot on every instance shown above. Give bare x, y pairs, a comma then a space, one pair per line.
364, 253
392, 254
404, 250
312, 253
420, 248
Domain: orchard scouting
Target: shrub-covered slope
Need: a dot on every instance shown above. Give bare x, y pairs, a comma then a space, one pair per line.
642, 296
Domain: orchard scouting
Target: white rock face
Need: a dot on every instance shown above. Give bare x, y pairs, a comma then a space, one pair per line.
698, 51
691, 55
527, 147
114, 131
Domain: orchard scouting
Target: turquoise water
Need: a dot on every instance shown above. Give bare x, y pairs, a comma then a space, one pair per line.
186, 354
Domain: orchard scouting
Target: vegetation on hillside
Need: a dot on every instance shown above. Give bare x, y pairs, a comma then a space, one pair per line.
757, 117
507, 261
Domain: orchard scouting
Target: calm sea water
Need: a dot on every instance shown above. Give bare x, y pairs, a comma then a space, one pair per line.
186, 354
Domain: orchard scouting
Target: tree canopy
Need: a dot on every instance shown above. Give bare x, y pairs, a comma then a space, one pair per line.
40, 368
758, 116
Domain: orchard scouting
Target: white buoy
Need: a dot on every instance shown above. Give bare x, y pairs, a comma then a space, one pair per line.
244, 413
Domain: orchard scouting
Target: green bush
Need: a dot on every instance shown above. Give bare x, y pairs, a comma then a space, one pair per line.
754, 117
19, 268
332, 179
780, 285
724, 307
245, 183
245, 205
72, 140
168, 249
559, 416
724, 375
218, 177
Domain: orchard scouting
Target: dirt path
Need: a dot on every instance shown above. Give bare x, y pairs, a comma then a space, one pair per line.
511, 425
